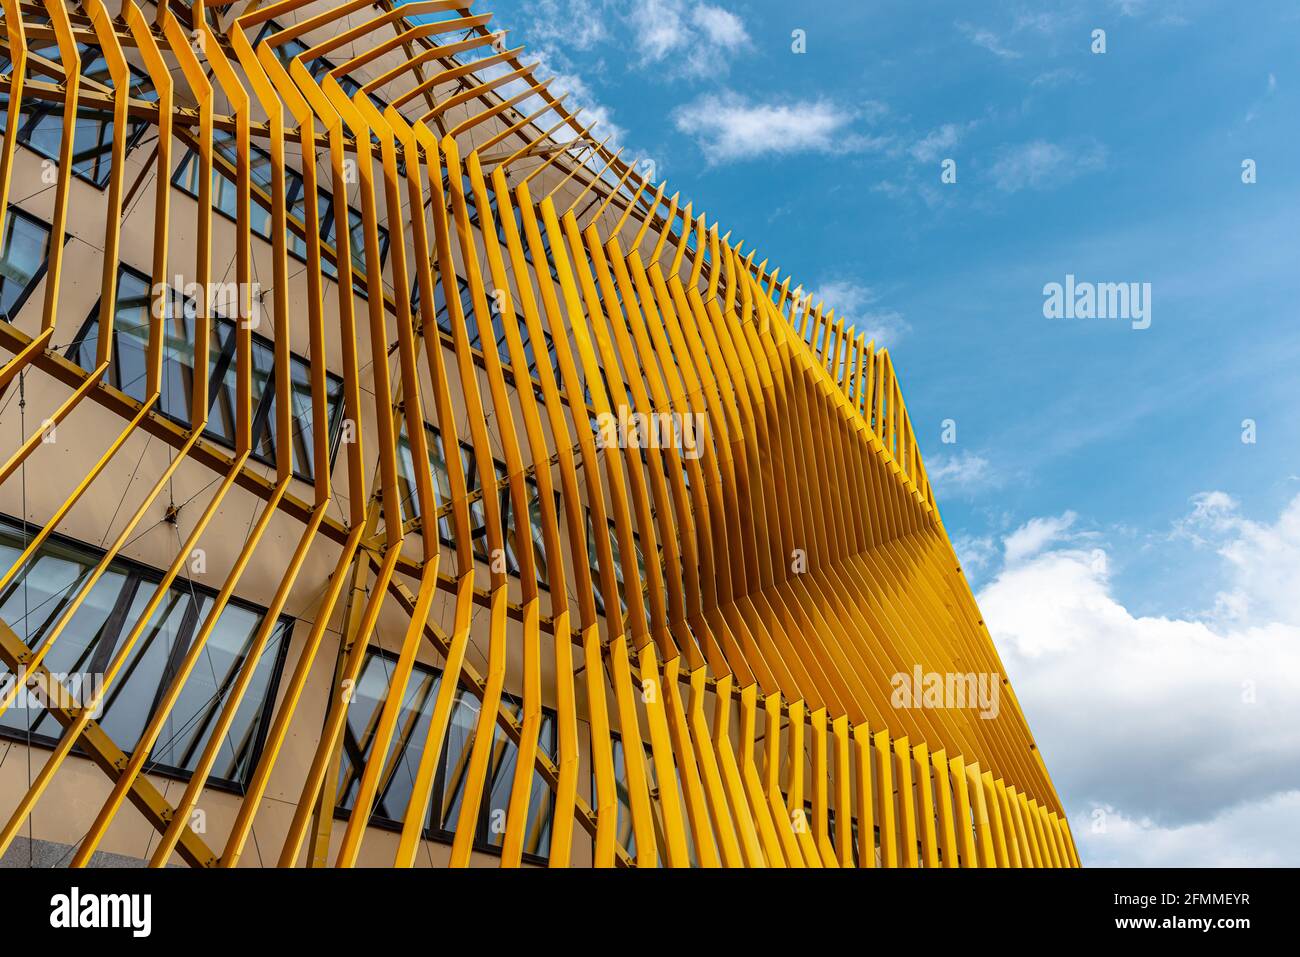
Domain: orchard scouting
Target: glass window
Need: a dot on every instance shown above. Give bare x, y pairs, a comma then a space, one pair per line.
441, 311
438, 469
37, 598
288, 49
23, 251
523, 238
404, 750
478, 521
41, 127
594, 561
526, 340
624, 832
127, 372
407, 747
224, 201
224, 192
471, 205
357, 241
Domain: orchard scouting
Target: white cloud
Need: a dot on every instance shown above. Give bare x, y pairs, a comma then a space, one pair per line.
857, 305
1270, 88
722, 27
892, 189
935, 143
690, 39
1168, 12
874, 110
1263, 559
960, 473
974, 553
1130, 8
670, 38
1184, 731
594, 113
1256, 833
1035, 535
1044, 21
986, 39
1057, 77
1208, 509
730, 127
579, 24
1041, 165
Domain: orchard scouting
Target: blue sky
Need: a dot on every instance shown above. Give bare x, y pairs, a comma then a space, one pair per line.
1138, 563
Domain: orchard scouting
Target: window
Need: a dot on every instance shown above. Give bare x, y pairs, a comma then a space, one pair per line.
443, 317
127, 372
594, 561
23, 251
357, 238
287, 50
523, 238
471, 205
443, 816
478, 522
41, 129
35, 600
441, 311
623, 831
503, 344
224, 193
225, 202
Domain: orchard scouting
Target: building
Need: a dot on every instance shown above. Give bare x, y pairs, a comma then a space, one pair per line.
671, 589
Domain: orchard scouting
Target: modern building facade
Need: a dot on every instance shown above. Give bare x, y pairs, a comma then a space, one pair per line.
393, 475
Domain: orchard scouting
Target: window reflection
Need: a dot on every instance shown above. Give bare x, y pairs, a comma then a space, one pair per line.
37, 598
24, 249
442, 817
128, 372
41, 121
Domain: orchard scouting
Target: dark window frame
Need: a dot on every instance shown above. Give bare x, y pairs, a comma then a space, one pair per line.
478, 519
137, 574
261, 419
432, 832
294, 194
143, 88
41, 270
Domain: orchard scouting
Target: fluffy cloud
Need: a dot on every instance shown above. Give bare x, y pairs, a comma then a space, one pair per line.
594, 112
1033, 536
857, 304
1057, 77
1264, 560
692, 39
934, 144
988, 40
579, 24
1254, 834
975, 553
1042, 165
960, 473
729, 127
1180, 737
668, 38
